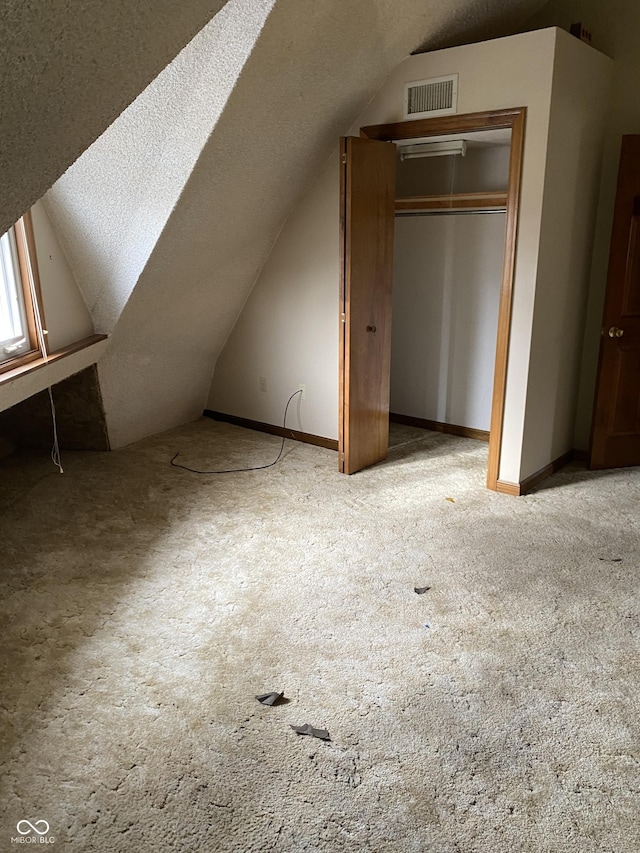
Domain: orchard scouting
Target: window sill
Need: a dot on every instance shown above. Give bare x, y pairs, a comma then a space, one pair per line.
30, 378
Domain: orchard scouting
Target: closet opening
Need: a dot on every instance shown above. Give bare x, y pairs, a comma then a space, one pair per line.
450, 226
383, 190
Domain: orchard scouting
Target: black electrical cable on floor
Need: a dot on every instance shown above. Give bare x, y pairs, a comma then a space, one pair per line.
239, 470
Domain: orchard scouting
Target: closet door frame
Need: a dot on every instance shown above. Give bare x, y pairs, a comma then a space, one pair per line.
513, 119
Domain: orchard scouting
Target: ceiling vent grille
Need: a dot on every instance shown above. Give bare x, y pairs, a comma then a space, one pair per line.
437, 96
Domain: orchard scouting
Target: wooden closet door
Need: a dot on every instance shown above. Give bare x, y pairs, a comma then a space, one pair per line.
366, 225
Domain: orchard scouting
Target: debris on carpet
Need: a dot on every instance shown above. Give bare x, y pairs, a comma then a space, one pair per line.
271, 698
308, 729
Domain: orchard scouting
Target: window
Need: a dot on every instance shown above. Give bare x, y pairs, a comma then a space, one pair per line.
14, 337
20, 312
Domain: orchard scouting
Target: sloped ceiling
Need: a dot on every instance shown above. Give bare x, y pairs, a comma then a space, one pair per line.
68, 68
113, 203
311, 71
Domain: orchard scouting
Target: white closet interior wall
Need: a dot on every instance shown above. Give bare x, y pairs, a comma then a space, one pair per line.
447, 275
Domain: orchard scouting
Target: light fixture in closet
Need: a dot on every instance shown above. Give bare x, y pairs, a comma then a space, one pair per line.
433, 149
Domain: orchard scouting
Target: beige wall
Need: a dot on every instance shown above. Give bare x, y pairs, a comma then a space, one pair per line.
616, 28
581, 80
288, 331
516, 71
507, 72
170, 281
66, 315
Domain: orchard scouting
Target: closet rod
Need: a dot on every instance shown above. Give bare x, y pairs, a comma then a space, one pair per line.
466, 212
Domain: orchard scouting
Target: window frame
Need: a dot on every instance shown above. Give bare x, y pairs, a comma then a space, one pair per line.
28, 264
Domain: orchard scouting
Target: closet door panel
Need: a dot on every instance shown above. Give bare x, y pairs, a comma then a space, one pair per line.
367, 224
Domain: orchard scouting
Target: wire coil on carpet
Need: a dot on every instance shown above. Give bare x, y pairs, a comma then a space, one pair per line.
239, 470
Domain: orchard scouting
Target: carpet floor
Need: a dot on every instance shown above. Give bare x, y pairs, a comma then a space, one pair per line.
144, 608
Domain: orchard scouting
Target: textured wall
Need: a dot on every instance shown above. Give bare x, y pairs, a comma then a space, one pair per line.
511, 71
313, 68
111, 206
170, 289
68, 68
288, 331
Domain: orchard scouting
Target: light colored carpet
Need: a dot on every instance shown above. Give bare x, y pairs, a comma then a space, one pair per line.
144, 607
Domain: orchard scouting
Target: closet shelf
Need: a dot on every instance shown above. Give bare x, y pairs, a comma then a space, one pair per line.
453, 201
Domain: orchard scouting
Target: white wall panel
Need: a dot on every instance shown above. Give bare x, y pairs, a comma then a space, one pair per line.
446, 290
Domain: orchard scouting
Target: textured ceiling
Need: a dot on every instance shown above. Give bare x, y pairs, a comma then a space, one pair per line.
112, 204
483, 19
312, 70
68, 68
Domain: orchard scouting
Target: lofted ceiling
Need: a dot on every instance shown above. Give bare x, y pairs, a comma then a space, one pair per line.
293, 75
68, 69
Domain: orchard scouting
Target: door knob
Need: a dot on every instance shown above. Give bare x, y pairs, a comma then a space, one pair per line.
615, 332
371, 328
